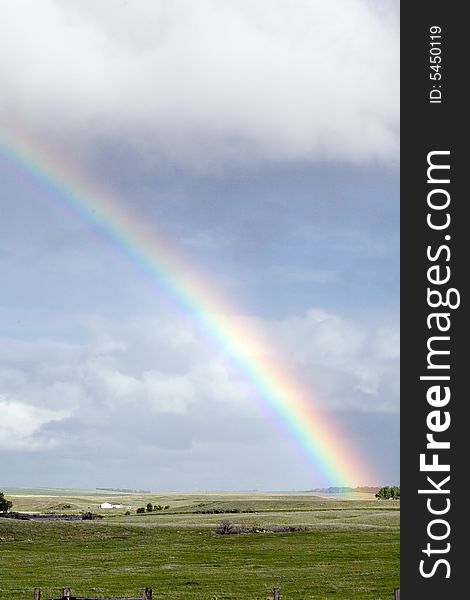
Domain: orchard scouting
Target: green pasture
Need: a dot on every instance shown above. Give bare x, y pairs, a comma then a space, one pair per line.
350, 550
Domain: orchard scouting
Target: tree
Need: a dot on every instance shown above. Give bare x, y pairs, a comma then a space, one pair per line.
149, 507
140, 510
387, 493
383, 493
5, 504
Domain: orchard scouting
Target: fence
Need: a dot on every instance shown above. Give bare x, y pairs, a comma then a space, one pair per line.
67, 595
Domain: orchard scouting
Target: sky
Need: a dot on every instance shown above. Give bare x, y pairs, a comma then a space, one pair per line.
261, 139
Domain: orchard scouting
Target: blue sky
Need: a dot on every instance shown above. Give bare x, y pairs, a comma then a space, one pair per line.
264, 143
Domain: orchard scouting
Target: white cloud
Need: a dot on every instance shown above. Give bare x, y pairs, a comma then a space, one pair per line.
21, 424
347, 364
148, 372
202, 83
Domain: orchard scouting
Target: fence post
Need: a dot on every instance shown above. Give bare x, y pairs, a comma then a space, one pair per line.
396, 594
66, 593
276, 593
148, 593
37, 594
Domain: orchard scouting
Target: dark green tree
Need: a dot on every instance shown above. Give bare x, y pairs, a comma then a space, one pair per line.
5, 504
387, 493
140, 510
383, 493
149, 507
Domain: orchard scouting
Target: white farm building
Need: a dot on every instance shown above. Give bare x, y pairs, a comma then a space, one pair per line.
111, 505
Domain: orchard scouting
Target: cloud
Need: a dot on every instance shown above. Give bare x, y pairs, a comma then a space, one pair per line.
346, 363
156, 377
200, 84
21, 425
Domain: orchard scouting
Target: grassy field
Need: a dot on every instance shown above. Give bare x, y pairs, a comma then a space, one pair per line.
349, 551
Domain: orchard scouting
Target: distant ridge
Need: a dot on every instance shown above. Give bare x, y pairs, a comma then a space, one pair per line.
346, 490
126, 490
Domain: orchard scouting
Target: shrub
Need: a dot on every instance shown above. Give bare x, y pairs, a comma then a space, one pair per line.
5, 504
140, 510
288, 528
89, 516
226, 528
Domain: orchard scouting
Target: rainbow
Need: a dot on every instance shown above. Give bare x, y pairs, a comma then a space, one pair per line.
275, 388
